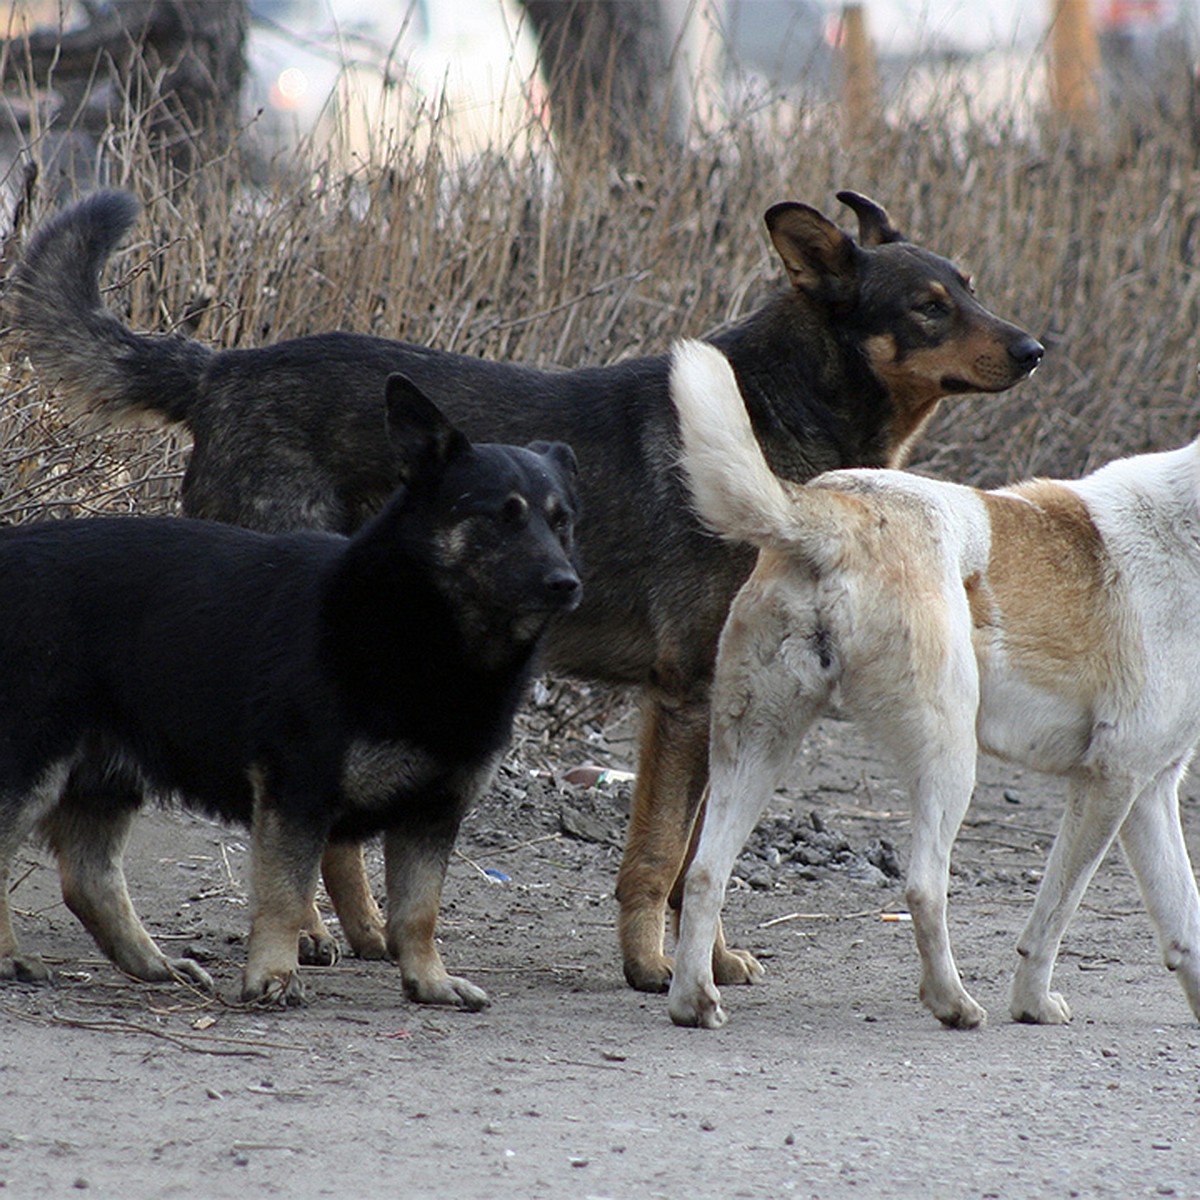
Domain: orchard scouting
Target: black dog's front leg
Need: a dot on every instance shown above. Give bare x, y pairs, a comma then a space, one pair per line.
287, 856
416, 854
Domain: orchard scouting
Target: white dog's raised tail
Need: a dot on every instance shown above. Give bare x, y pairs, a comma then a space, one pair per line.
734, 491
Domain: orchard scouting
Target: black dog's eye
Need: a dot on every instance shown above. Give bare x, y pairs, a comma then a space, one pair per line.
934, 309
515, 511
556, 517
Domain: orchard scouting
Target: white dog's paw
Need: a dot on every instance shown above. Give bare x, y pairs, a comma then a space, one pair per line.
954, 1007
24, 968
1047, 1009
697, 1008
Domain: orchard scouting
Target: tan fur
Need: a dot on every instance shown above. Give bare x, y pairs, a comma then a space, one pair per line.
1047, 560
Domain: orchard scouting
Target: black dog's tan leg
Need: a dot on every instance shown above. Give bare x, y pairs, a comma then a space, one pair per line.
345, 875
284, 873
672, 774
90, 844
416, 869
18, 815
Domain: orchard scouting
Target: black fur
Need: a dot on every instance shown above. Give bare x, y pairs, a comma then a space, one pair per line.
245, 671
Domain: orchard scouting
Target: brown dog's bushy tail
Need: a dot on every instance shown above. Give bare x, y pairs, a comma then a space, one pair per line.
734, 491
93, 361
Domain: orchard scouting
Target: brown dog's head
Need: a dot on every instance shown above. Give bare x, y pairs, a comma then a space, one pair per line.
915, 313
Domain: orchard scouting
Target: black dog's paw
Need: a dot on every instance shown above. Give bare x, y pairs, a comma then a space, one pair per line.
24, 968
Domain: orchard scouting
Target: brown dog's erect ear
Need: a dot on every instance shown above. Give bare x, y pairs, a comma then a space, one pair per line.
818, 256
874, 225
416, 426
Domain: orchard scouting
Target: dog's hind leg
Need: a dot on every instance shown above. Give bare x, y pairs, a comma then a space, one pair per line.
1153, 841
1096, 809
940, 791
345, 875
89, 833
730, 966
19, 814
416, 857
672, 775
772, 683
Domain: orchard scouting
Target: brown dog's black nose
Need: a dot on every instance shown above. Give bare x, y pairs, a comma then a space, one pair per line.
1027, 353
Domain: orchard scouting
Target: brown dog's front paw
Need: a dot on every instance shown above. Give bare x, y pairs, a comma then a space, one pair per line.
449, 990
736, 967
651, 974
367, 942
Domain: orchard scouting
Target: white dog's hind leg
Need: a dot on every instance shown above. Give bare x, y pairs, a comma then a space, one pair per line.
1094, 813
739, 792
771, 684
1153, 841
940, 792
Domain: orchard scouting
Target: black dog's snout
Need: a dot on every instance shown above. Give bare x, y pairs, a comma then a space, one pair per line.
562, 585
1027, 353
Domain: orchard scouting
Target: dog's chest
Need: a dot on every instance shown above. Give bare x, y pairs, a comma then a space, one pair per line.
374, 773
378, 774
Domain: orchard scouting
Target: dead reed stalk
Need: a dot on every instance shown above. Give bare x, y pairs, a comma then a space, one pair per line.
554, 257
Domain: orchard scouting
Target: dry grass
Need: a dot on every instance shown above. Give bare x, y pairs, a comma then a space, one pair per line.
556, 258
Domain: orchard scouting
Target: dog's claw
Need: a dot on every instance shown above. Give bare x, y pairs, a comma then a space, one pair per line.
24, 968
451, 991
318, 951
284, 990
736, 967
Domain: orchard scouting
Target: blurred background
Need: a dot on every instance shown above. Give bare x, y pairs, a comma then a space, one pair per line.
570, 182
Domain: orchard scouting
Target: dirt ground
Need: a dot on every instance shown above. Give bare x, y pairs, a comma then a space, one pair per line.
830, 1080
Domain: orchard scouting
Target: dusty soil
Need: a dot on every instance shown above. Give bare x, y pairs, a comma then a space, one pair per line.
830, 1080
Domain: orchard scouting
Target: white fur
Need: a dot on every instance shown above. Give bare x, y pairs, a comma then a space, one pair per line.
928, 617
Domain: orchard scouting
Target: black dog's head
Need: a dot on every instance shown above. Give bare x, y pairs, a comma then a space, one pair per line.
495, 523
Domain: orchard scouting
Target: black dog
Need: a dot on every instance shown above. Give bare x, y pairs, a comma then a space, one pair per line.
843, 369
310, 686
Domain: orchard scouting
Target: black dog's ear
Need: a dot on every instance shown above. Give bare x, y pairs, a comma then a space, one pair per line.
417, 428
560, 454
819, 258
874, 225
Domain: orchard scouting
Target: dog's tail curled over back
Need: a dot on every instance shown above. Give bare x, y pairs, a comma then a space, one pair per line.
734, 491
82, 351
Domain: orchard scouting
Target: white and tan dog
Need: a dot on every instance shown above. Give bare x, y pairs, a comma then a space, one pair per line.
1054, 623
